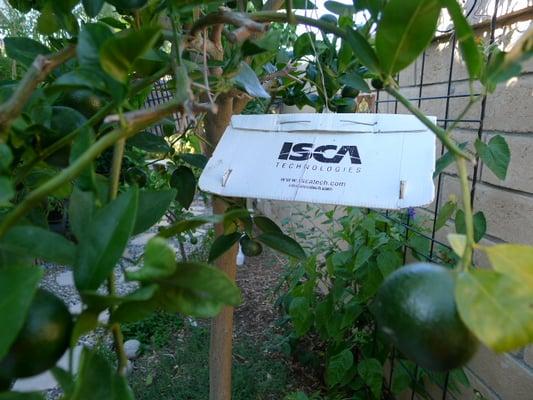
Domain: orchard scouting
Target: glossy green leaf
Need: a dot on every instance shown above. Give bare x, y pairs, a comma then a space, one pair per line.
457, 242
339, 8
24, 50
480, 224
105, 240
446, 160
97, 379
303, 46
495, 154
149, 142
92, 7
21, 396
445, 213
82, 77
6, 157
282, 243
466, 37
515, 260
81, 210
118, 53
195, 160
190, 224
301, 318
90, 40
17, 285
198, 289
362, 50
159, 261
338, 366
222, 244
405, 30
84, 139
7, 191
354, 80
496, 309
247, 80
153, 204
266, 224
128, 4
371, 371
39, 243
184, 181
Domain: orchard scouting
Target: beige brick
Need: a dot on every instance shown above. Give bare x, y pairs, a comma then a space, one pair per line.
505, 375
509, 108
509, 215
519, 176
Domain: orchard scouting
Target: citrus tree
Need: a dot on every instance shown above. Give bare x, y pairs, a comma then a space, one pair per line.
82, 93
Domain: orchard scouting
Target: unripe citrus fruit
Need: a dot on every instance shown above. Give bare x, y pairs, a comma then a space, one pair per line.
415, 307
250, 247
43, 339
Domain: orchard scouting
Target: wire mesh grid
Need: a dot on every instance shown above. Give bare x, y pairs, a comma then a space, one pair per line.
446, 119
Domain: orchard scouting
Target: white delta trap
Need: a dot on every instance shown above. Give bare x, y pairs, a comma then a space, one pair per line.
366, 160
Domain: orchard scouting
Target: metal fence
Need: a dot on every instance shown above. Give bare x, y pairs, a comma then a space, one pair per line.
445, 119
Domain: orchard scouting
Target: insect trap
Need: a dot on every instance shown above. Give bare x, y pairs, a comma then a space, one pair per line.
365, 160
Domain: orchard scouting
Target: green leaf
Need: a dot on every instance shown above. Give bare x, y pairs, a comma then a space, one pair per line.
300, 316
118, 53
98, 302
405, 30
496, 309
190, 224
371, 370
149, 142
222, 244
90, 40
39, 243
195, 160
7, 191
266, 224
362, 49
515, 260
159, 261
24, 50
184, 181
496, 155
64, 379
97, 379
388, 262
304, 45
86, 322
6, 157
198, 289
283, 243
84, 139
17, 285
128, 4
153, 204
445, 213
339, 8
458, 243
446, 160
480, 224
467, 40
92, 7
354, 80
21, 396
80, 212
105, 240
338, 366
247, 80
82, 77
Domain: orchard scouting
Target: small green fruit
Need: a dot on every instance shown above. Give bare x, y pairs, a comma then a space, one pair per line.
250, 247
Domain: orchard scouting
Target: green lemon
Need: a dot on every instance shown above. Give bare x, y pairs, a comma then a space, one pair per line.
348, 91
250, 247
43, 339
84, 100
415, 307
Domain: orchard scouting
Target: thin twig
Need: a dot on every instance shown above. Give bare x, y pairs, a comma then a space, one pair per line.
38, 72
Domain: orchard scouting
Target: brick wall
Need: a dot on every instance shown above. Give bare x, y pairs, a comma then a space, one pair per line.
508, 204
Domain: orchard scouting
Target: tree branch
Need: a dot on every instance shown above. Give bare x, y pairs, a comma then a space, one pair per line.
41, 67
226, 16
